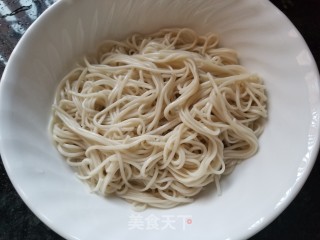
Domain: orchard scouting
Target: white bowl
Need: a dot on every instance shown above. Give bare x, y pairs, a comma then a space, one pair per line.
252, 196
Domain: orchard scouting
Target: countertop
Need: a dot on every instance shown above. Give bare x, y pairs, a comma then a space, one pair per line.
301, 220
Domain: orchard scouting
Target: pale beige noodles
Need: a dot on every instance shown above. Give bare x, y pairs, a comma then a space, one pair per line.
155, 118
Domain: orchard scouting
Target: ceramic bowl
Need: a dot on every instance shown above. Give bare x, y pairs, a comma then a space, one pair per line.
256, 192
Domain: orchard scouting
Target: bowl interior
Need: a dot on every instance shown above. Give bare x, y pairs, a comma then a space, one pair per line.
256, 192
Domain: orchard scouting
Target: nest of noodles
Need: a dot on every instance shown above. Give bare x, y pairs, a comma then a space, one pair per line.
155, 118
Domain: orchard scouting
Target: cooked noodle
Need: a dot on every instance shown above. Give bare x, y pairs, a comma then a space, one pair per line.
155, 118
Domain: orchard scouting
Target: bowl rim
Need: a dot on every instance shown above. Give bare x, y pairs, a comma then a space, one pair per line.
271, 217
